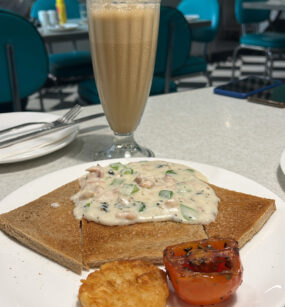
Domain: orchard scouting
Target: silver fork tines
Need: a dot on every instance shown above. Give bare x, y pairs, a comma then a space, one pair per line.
66, 118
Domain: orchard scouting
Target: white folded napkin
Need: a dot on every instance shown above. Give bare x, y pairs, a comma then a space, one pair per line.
36, 143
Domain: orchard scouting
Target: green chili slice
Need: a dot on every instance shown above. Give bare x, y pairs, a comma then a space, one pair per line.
166, 194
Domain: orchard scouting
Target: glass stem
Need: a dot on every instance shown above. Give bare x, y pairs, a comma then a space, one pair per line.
124, 146
124, 141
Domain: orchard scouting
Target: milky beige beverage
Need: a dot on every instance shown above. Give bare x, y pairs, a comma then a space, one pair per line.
123, 39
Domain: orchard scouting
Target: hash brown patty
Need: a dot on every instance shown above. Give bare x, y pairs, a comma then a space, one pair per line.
125, 284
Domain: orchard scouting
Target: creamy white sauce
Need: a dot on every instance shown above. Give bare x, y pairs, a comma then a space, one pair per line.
55, 205
145, 191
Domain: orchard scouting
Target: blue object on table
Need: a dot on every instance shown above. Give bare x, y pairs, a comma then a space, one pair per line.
72, 8
246, 87
207, 10
23, 59
87, 90
173, 48
267, 42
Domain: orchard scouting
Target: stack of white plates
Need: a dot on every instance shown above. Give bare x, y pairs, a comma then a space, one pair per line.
38, 146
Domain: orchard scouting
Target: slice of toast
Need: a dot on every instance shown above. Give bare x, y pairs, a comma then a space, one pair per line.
240, 215
55, 233
146, 241
47, 225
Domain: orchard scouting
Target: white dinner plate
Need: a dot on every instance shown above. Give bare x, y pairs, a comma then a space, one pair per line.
64, 27
282, 162
35, 147
28, 279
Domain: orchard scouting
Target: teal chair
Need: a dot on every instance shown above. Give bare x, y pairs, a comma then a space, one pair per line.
23, 61
68, 66
267, 42
207, 10
173, 59
87, 90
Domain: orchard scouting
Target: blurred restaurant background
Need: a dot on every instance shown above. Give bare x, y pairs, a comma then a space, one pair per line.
46, 63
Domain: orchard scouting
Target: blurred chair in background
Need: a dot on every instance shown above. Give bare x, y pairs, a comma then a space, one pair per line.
173, 59
267, 42
88, 93
67, 67
207, 10
23, 62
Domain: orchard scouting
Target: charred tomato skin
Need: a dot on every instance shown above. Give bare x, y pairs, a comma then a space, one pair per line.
204, 272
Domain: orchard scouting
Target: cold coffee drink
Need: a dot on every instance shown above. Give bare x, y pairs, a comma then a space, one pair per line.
123, 37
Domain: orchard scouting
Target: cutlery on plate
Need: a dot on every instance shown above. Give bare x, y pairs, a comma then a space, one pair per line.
89, 117
45, 130
66, 118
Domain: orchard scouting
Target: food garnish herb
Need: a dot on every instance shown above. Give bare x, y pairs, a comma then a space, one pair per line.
170, 172
166, 194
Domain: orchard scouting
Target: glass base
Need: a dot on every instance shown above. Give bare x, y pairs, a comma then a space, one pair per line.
124, 146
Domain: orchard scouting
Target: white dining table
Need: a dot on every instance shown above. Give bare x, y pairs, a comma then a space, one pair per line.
278, 5
222, 132
234, 134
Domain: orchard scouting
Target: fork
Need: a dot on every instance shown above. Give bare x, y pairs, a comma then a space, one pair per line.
65, 119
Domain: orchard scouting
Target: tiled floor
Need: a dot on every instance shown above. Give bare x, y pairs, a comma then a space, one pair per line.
220, 73
247, 65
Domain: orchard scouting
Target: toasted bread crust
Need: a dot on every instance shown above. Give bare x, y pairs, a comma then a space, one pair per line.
49, 230
138, 241
240, 215
55, 233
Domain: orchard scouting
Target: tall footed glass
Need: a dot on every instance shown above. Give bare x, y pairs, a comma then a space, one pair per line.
123, 38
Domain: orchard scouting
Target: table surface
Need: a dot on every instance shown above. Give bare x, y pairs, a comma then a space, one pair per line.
82, 31
198, 125
53, 36
270, 5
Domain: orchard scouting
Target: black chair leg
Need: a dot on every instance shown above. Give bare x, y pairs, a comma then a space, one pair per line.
13, 78
205, 52
235, 54
269, 63
209, 79
170, 45
41, 101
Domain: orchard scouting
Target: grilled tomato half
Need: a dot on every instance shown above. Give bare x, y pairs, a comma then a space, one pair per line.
204, 272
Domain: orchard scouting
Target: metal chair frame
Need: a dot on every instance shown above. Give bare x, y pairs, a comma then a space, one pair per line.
268, 63
15, 93
14, 84
267, 51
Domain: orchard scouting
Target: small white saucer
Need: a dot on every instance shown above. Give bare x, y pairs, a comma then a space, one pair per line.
64, 27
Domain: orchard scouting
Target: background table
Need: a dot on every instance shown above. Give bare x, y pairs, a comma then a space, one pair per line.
278, 5
82, 31
59, 36
237, 135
